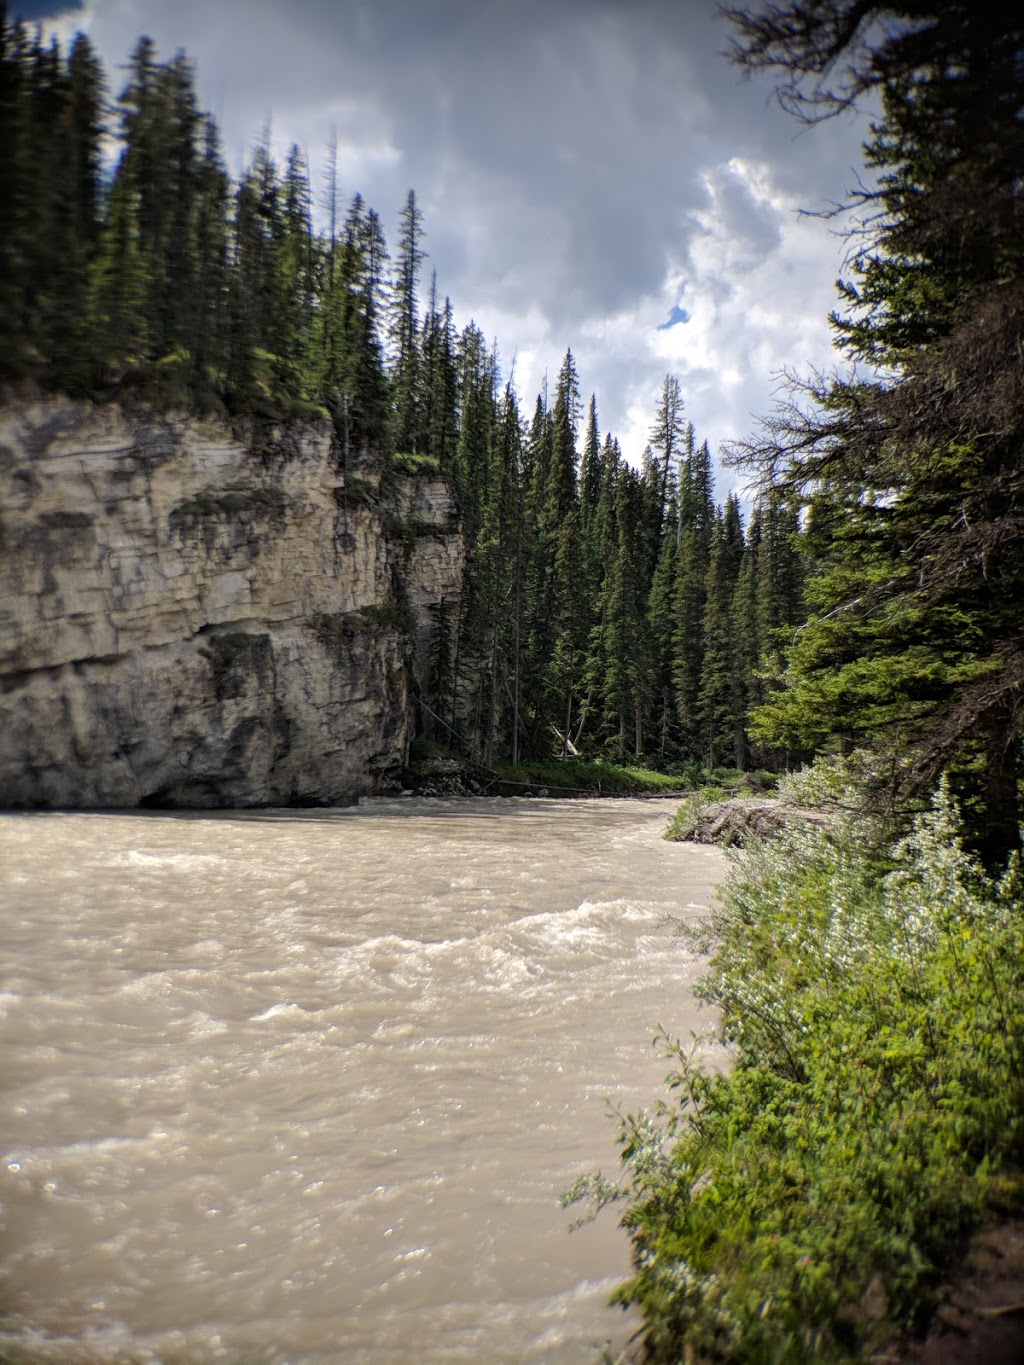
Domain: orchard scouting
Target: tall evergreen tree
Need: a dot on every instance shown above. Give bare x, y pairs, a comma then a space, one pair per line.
747, 635
539, 573
667, 440
439, 381
209, 341
15, 191
914, 646
695, 529
719, 708
404, 327
560, 538
625, 628
661, 628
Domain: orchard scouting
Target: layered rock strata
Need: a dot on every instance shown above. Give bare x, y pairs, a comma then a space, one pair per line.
195, 616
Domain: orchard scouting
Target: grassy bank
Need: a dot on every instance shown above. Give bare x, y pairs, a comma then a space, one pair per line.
801, 1206
598, 778
577, 776
602, 777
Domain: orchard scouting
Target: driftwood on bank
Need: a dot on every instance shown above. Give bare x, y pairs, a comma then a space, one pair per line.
738, 819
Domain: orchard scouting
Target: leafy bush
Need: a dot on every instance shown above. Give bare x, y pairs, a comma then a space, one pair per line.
414, 462
687, 817
800, 1206
356, 492
421, 750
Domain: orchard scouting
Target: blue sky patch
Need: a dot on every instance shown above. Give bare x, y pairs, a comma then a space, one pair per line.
676, 316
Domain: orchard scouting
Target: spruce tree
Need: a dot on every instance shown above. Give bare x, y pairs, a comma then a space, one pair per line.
15, 192
746, 630
439, 381
559, 534
661, 629
404, 328
626, 681
914, 645
719, 710
209, 341
538, 615
667, 440
696, 525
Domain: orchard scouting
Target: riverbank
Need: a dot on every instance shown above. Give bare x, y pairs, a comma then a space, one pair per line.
444, 774
864, 1150
434, 771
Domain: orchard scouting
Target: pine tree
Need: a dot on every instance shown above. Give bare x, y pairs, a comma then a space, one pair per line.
626, 681
661, 628
719, 713
440, 381
294, 330
747, 636
46, 97
209, 341
696, 526
914, 647
327, 333
175, 255
667, 439
498, 571
15, 193
477, 402
404, 328
539, 558
604, 537
255, 286
559, 534
477, 490
352, 384
117, 319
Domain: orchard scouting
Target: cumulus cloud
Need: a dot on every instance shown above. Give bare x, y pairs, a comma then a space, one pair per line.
581, 165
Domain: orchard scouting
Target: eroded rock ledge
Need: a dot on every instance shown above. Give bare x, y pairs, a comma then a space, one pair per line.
193, 616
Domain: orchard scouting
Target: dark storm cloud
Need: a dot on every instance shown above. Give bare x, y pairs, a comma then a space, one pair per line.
569, 155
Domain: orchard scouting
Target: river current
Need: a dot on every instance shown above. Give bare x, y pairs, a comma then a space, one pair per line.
305, 1086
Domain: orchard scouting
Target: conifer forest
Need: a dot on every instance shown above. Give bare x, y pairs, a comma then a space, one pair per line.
606, 609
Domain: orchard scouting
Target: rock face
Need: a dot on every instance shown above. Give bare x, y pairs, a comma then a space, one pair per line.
193, 617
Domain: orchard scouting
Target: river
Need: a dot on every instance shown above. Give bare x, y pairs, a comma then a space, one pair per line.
305, 1086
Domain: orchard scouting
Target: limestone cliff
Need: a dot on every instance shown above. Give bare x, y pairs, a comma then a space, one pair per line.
191, 616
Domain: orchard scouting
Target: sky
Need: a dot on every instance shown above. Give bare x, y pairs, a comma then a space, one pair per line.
593, 174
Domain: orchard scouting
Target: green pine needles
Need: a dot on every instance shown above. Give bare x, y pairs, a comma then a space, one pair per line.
799, 1206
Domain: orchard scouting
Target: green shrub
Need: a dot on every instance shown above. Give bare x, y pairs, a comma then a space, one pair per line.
356, 492
799, 1206
411, 462
341, 628
421, 750
687, 817
269, 501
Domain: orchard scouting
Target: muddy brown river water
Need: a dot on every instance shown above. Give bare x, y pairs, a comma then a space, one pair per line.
306, 1086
